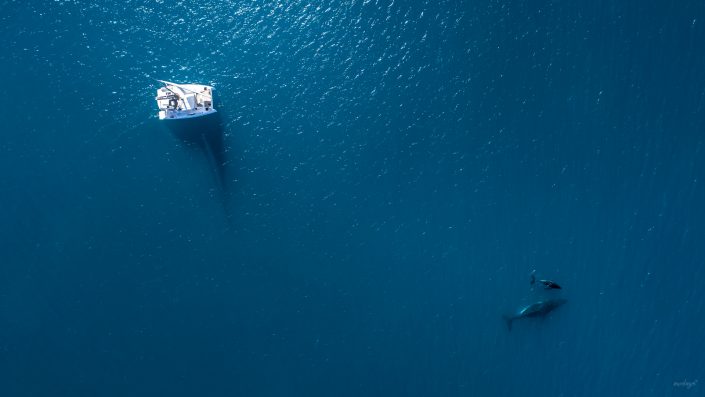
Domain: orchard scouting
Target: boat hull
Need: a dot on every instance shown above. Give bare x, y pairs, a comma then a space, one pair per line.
194, 129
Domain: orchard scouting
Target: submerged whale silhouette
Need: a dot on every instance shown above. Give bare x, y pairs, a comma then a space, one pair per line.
538, 309
547, 284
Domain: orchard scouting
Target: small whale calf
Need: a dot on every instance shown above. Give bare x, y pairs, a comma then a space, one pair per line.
538, 309
547, 284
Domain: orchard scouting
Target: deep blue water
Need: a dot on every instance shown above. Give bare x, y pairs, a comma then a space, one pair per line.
393, 171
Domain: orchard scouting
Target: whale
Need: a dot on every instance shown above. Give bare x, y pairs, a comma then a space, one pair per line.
538, 309
547, 284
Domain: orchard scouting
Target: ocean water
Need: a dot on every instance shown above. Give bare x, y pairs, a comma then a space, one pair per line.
390, 174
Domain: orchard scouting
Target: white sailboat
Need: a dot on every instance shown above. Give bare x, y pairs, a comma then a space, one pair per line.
184, 101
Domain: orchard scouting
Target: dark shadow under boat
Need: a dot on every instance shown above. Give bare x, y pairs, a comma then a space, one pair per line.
207, 135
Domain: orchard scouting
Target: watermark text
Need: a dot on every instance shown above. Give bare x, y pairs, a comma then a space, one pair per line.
686, 384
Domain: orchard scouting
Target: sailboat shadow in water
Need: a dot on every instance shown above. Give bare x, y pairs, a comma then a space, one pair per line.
207, 136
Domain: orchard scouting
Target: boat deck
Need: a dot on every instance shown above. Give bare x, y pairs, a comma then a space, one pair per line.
177, 101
